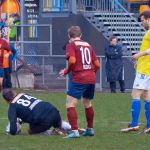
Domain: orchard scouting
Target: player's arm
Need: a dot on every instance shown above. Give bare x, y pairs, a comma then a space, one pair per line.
71, 62
136, 56
96, 65
119, 52
13, 119
6, 46
96, 62
109, 53
70, 56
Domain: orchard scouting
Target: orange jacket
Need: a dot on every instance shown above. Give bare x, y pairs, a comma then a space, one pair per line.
6, 59
5, 51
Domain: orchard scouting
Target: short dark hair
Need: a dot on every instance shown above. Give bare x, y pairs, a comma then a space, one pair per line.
74, 31
146, 14
8, 94
112, 37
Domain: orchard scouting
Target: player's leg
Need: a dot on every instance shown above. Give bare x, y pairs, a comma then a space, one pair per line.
135, 111
72, 116
71, 112
147, 110
122, 86
1, 82
74, 93
88, 95
43, 124
113, 87
7, 78
1, 78
51, 119
136, 106
138, 89
54, 119
37, 128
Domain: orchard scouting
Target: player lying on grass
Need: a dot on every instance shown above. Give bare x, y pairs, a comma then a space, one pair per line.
40, 115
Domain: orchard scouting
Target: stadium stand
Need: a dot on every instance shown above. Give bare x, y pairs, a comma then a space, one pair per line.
121, 24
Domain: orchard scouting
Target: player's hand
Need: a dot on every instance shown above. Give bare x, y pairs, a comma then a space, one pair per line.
135, 56
135, 66
63, 72
6, 55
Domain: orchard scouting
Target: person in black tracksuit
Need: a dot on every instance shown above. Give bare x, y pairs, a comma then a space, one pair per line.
39, 114
114, 65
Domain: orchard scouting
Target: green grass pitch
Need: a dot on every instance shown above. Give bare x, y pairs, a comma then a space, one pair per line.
112, 111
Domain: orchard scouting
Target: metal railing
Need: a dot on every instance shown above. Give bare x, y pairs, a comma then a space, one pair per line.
99, 5
120, 21
43, 65
117, 21
84, 5
38, 57
25, 44
31, 49
125, 25
49, 68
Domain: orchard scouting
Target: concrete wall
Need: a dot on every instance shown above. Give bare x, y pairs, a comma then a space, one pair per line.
90, 34
25, 80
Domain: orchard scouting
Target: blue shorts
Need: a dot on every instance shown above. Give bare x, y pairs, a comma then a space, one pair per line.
1, 73
78, 90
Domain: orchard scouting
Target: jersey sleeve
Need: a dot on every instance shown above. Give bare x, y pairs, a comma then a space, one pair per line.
6, 46
70, 51
12, 116
94, 57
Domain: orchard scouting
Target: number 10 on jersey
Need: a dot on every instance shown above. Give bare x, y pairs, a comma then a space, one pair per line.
86, 57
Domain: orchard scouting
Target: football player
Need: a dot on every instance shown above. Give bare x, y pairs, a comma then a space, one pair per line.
142, 80
38, 114
83, 64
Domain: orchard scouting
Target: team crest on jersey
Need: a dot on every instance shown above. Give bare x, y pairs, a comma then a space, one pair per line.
142, 76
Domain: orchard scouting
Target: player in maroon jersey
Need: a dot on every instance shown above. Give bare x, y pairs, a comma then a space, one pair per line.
83, 64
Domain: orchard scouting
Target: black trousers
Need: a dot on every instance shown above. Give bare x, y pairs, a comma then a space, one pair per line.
7, 79
53, 119
113, 86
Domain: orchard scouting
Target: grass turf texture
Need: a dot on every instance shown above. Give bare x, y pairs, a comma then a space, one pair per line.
111, 113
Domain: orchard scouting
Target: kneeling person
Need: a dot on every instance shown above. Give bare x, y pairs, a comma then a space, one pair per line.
39, 114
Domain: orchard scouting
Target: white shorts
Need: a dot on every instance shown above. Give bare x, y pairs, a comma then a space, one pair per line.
142, 82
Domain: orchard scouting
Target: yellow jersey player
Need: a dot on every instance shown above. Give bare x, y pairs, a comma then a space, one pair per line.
142, 80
